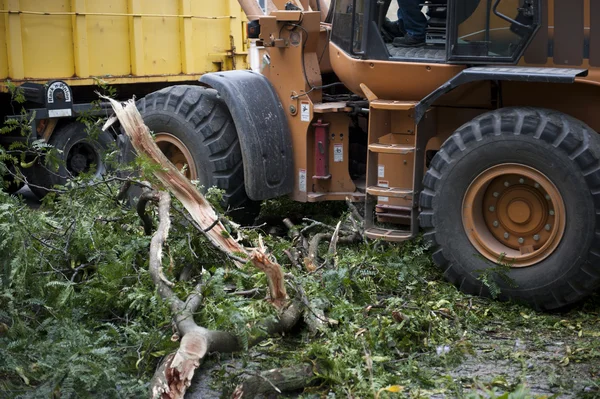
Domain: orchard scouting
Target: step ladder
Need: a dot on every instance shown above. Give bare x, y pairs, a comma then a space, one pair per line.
393, 222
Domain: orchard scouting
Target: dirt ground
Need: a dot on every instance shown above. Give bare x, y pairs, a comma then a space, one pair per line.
551, 355
505, 359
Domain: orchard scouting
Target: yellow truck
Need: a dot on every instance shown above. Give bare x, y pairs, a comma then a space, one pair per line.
58, 51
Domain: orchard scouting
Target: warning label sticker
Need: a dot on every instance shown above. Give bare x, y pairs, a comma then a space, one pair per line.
338, 153
381, 171
305, 112
384, 199
383, 183
302, 181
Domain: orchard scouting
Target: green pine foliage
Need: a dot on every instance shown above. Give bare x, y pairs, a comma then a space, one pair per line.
78, 307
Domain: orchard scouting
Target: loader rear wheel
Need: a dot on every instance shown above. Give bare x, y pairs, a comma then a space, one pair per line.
194, 129
519, 187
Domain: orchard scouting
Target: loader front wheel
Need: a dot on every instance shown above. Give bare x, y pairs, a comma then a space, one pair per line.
194, 129
510, 205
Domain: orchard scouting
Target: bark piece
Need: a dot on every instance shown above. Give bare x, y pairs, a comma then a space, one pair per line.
275, 381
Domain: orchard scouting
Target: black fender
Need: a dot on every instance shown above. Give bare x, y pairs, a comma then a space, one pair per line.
263, 131
499, 74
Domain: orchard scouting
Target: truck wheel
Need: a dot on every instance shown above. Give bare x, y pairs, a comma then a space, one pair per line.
519, 187
11, 184
194, 129
79, 153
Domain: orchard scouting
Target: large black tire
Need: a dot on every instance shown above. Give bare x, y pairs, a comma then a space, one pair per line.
201, 121
78, 152
567, 152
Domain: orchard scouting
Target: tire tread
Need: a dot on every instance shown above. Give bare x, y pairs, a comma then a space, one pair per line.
202, 109
565, 133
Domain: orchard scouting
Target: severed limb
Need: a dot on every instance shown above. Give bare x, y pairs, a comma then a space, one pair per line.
174, 376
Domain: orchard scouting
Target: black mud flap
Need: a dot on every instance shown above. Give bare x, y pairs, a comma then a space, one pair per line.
263, 131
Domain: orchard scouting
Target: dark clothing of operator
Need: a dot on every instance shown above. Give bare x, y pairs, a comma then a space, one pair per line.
412, 24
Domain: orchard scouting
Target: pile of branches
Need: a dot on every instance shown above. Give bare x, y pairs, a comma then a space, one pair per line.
305, 251
175, 373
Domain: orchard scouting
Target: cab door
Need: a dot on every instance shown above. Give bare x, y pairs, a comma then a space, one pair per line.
497, 31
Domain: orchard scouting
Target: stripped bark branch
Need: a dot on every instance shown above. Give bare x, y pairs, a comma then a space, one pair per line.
334, 240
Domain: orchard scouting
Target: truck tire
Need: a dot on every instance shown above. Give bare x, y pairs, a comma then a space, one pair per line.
192, 126
518, 187
78, 153
11, 183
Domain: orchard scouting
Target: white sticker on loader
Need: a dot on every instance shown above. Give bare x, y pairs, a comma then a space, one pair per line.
305, 112
384, 199
302, 181
381, 171
338, 153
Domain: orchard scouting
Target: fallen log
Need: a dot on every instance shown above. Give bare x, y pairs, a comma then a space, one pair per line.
275, 381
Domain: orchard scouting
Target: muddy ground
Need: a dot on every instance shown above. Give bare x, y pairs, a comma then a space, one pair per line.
549, 355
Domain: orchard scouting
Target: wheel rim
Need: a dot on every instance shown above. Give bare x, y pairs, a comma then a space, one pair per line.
177, 153
514, 212
81, 157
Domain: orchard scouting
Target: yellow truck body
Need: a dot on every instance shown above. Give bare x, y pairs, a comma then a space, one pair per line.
120, 41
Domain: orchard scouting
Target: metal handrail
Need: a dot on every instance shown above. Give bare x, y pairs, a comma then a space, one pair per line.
507, 18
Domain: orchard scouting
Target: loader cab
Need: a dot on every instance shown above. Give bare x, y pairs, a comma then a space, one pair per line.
458, 31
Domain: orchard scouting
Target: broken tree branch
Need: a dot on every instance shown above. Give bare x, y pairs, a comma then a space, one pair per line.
175, 374
176, 371
292, 228
122, 194
194, 202
313, 248
354, 211
247, 293
292, 255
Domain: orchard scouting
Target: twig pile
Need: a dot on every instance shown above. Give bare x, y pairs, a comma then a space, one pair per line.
347, 231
